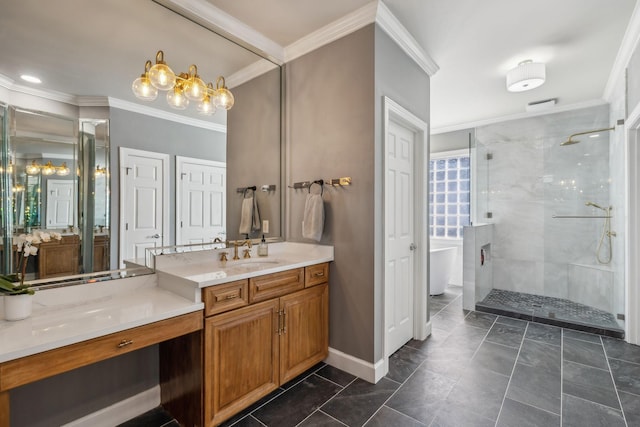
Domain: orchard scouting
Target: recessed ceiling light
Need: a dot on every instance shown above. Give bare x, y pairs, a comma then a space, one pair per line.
30, 79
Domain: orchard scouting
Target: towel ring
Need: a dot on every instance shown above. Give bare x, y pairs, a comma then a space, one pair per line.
320, 182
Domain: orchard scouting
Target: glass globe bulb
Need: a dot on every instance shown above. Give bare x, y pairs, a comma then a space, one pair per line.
195, 88
33, 168
162, 77
224, 98
206, 107
63, 170
176, 99
143, 89
48, 169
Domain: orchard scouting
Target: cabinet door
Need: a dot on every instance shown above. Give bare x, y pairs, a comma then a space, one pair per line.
305, 337
241, 359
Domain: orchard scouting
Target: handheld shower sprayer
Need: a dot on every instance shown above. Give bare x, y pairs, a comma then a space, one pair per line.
596, 206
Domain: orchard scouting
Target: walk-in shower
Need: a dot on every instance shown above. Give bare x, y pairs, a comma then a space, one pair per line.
551, 208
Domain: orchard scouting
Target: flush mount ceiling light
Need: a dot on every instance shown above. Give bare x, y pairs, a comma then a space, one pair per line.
181, 87
526, 76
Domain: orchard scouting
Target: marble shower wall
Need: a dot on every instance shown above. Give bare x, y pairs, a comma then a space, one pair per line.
524, 178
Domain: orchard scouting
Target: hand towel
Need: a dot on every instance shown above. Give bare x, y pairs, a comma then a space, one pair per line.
249, 215
313, 220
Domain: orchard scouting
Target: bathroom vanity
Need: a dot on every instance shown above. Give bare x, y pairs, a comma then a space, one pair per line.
228, 333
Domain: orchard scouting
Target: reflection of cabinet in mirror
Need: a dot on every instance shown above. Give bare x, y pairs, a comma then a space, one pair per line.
59, 258
100, 252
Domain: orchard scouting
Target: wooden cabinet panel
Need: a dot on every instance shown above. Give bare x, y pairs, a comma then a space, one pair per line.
241, 359
100, 253
59, 257
218, 299
316, 274
305, 336
28, 369
269, 286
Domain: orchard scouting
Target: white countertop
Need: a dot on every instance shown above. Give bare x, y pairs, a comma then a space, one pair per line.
204, 268
73, 314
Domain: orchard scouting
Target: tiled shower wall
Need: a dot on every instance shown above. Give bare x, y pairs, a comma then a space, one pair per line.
523, 178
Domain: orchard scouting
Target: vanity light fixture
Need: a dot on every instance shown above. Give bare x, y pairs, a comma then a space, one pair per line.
63, 169
526, 76
48, 169
100, 171
33, 168
181, 87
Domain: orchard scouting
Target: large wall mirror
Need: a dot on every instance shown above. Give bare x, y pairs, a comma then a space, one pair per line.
113, 174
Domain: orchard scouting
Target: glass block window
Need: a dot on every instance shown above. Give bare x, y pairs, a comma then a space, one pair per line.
449, 196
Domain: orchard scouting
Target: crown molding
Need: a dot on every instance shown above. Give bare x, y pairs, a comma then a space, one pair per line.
249, 72
11, 85
228, 26
92, 101
333, 31
494, 120
165, 115
629, 43
403, 38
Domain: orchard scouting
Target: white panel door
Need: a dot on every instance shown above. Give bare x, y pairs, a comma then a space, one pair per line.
399, 235
60, 203
200, 200
144, 197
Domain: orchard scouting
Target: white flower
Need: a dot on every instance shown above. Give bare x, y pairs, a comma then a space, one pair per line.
31, 250
56, 236
45, 237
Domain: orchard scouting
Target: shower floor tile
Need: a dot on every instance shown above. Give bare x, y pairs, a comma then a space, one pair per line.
552, 311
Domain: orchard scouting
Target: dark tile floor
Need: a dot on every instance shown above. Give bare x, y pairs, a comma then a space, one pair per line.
476, 369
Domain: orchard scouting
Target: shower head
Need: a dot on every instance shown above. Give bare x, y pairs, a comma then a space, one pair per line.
571, 141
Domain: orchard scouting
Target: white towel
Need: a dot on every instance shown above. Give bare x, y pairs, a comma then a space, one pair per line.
249, 215
313, 220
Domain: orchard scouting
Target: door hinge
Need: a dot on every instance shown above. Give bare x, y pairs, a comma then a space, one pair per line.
126, 226
181, 224
127, 169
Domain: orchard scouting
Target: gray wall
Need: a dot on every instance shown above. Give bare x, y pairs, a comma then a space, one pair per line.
456, 140
141, 132
253, 150
334, 119
398, 77
331, 121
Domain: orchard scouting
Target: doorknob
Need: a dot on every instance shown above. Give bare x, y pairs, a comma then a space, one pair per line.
155, 236
413, 247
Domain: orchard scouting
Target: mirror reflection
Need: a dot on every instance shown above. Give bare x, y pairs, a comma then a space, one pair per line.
84, 157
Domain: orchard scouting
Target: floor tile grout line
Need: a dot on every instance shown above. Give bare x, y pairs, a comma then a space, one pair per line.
615, 387
250, 414
515, 363
622, 360
333, 397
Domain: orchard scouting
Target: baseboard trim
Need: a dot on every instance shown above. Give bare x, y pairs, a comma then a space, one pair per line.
121, 411
371, 372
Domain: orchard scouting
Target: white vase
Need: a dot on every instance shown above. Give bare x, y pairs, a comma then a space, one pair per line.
17, 307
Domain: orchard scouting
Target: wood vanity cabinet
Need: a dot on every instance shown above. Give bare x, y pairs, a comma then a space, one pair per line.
252, 350
59, 257
100, 252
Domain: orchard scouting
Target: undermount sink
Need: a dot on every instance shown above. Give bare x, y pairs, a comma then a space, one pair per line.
252, 263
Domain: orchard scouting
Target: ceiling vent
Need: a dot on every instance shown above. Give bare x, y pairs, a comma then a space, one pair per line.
545, 104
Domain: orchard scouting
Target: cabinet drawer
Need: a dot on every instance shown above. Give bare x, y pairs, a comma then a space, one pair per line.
218, 299
27, 369
273, 285
316, 274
